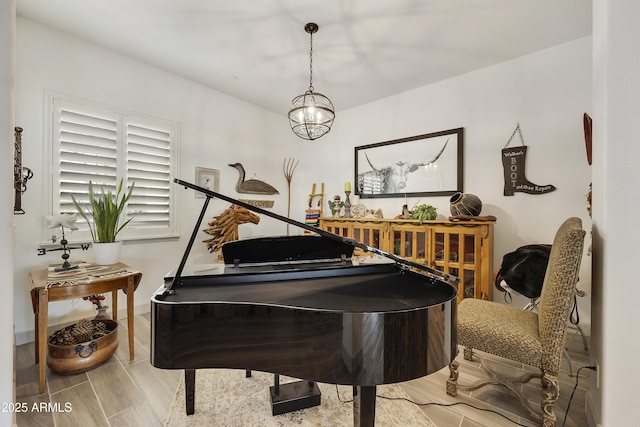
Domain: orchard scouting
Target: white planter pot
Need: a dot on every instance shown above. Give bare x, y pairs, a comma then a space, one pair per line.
107, 253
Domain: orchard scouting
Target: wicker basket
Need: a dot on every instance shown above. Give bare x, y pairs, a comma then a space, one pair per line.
101, 341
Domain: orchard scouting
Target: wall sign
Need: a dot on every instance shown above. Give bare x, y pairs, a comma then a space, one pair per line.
513, 163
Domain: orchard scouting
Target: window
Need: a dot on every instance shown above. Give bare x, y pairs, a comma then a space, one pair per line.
103, 145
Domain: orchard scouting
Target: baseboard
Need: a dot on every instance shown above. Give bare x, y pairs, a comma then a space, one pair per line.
28, 335
592, 417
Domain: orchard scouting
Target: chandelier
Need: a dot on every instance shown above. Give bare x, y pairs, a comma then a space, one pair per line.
311, 114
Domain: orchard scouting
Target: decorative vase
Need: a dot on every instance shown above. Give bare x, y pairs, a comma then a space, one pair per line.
465, 204
107, 253
102, 314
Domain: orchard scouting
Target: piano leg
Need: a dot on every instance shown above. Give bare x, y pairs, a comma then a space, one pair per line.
190, 390
364, 406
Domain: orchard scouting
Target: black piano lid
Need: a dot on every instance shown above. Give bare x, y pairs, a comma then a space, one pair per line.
340, 241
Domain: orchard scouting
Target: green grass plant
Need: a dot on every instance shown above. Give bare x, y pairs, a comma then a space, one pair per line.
105, 209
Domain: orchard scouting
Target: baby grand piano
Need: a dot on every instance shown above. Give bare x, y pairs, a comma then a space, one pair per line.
301, 306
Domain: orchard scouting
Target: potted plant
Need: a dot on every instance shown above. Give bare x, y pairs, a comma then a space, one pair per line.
105, 210
424, 212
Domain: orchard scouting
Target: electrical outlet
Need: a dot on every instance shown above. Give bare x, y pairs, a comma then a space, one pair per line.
597, 374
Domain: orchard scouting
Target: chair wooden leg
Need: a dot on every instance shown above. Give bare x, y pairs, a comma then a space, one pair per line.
467, 353
550, 393
452, 382
512, 384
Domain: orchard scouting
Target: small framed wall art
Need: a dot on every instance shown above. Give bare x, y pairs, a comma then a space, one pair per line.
207, 178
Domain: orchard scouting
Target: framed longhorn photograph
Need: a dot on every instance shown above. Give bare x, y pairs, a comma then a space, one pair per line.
422, 165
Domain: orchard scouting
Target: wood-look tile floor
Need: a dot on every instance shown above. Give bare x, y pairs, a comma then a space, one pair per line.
495, 398
134, 393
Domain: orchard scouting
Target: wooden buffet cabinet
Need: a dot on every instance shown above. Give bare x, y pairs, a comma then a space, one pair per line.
461, 248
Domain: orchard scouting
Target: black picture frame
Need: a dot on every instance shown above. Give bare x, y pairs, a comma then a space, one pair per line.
421, 165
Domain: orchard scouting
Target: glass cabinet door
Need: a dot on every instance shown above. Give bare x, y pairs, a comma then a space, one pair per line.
339, 230
454, 253
369, 234
410, 241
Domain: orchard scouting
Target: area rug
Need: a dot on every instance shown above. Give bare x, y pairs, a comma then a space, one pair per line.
224, 397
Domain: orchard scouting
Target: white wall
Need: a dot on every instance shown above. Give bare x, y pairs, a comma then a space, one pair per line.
215, 130
547, 92
7, 73
616, 152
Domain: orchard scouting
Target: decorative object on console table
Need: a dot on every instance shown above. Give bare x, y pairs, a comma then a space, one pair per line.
465, 204
361, 211
406, 213
513, 164
336, 205
347, 202
458, 218
424, 212
102, 213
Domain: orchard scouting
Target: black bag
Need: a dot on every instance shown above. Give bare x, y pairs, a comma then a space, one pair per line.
524, 269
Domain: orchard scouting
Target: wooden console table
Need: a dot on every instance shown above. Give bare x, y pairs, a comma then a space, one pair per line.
97, 280
461, 248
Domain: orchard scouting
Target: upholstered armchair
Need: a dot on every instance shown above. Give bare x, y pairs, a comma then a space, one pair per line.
535, 339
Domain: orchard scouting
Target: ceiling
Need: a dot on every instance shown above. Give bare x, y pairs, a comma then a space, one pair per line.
364, 50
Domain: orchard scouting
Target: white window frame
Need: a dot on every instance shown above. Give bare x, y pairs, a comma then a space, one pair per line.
142, 230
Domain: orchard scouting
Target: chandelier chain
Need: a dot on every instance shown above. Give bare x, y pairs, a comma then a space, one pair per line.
311, 63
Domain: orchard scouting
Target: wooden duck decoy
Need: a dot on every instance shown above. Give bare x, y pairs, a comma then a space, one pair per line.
251, 186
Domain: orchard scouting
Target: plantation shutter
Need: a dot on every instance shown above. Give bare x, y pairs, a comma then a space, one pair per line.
87, 150
103, 145
148, 165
